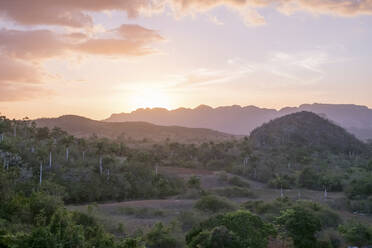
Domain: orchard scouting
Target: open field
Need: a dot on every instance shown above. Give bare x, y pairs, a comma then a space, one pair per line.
143, 214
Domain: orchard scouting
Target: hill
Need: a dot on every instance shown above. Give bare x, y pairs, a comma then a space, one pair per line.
242, 120
84, 127
305, 130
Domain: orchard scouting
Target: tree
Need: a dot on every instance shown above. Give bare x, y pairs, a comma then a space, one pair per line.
67, 141
160, 237
4, 127
301, 225
50, 146
213, 204
194, 182
308, 178
218, 237
42, 133
356, 233
41, 155
101, 147
67, 234
238, 229
83, 147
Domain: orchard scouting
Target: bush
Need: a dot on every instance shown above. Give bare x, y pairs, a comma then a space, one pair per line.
160, 237
356, 233
188, 219
143, 213
235, 192
194, 182
301, 225
237, 181
285, 182
239, 229
213, 204
360, 188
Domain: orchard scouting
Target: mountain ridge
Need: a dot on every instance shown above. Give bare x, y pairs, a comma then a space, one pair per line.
241, 120
84, 127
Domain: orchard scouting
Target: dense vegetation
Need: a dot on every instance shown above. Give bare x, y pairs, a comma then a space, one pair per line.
43, 169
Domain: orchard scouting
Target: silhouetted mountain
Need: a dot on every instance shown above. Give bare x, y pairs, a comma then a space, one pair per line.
84, 127
305, 130
242, 120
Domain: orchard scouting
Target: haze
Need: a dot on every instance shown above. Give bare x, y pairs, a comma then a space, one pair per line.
94, 58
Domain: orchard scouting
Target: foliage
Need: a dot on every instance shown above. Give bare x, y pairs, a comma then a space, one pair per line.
237, 229
160, 237
213, 204
356, 233
301, 225
237, 181
193, 182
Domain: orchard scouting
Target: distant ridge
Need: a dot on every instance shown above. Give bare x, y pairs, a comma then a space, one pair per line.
84, 127
240, 120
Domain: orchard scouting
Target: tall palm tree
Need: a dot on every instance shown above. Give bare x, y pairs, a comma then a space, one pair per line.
67, 141
50, 146
4, 127
82, 146
14, 123
101, 147
40, 155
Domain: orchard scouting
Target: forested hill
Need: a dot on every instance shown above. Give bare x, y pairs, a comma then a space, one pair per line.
305, 130
84, 127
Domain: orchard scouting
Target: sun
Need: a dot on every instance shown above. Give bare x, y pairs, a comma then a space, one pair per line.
150, 98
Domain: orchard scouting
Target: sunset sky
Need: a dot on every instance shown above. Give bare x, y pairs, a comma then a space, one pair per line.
95, 58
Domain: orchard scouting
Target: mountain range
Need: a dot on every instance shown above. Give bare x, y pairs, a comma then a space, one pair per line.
240, 120
84, 127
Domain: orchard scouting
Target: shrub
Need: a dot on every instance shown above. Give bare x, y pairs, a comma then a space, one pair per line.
237, 181
235, 192
194, 182
233, 230
356, 233
213, 204
188, 219
301, 225
160, 237
143, 213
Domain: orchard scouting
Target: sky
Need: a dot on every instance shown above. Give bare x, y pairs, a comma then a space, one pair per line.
94, 58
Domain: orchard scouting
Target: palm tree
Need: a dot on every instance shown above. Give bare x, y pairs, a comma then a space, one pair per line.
14, 128
41, 154
4, 127
50, 146
67, 141
101, 147
83, 146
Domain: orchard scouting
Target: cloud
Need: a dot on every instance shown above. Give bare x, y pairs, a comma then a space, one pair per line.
17, 71
37, 45
333, 7
20, 81
138, 33
204, 77
30, 45
23, 52
215, 20
66, 12
75, 13
20, 92
336, 7
114, 48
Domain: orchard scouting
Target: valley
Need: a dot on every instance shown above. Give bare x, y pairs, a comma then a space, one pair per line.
164, 190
